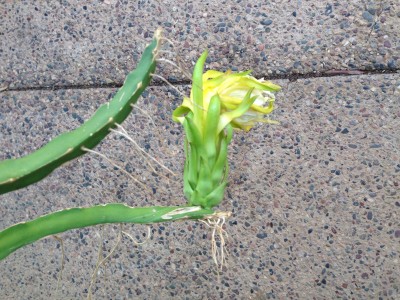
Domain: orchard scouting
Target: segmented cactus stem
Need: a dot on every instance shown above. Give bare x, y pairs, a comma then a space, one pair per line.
26, 233
21, 172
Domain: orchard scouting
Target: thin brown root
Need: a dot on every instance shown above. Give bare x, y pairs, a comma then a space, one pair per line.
137, 243
62, 263
219, 252
144, 112
94, 274
176, 89
163, 38
100, 262
123, 132
169, 84
167, 52
126, 135
177, 65
183, 71
115, 165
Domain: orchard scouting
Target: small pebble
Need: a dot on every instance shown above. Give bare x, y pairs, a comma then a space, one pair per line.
367, 16
328, 9
391, 64
375, 146
345, 131
266, 22
387, 44
262, 235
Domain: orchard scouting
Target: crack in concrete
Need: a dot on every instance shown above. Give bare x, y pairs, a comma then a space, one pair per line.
291, 77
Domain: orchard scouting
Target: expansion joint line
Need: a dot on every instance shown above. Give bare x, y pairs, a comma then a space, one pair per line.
291, 77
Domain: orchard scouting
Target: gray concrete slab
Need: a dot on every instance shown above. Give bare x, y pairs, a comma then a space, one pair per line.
74, 43
315, 200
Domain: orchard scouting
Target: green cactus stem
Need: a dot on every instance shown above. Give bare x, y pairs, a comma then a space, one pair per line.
21, 172
22, 234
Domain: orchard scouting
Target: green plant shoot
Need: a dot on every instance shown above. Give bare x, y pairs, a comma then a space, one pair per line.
218, 103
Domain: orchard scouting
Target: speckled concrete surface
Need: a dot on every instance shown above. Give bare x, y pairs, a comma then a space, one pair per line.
68, 42
315, 200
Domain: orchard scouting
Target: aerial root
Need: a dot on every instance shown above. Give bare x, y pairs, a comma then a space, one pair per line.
169, 84
144, 113
178, 65
62, 262
117, 166
182, 70
124, 133
163, 38
137, 243
176, 89
152, 121
167, 52
175, 55
102, 261
218, 246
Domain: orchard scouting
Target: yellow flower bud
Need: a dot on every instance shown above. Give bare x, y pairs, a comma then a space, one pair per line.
232, 89
218, 103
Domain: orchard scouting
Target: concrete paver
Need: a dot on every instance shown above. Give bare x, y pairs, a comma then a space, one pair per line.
315, 200
66, 43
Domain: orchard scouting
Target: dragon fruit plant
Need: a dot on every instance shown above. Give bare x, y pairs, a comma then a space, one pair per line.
219, 103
